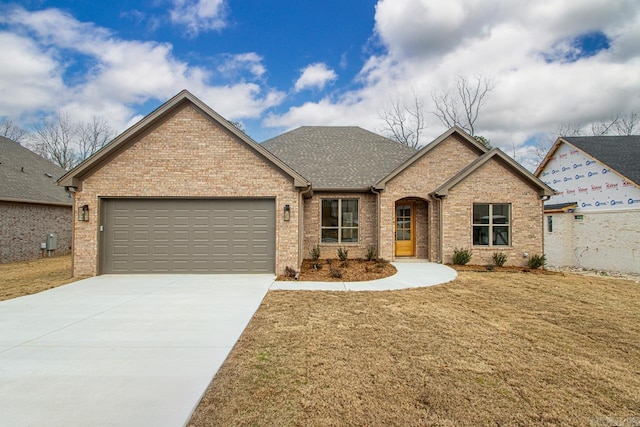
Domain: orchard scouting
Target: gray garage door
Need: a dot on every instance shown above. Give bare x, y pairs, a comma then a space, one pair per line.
188, 236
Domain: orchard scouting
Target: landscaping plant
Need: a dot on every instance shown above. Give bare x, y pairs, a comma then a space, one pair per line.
499, 259
461, 256
343, 254
371, 253
537, 261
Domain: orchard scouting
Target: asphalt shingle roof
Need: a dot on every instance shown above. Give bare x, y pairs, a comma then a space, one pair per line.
335, 157
622, 153
23, 176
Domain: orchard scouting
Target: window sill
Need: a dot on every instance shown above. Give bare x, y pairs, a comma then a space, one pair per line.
338, 244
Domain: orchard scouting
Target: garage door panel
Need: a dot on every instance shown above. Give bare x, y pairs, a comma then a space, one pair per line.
188, 236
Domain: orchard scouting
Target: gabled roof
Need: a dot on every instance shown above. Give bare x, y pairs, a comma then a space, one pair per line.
619, 153
28, 177
471, 141
544, 189
75, 176
339, 157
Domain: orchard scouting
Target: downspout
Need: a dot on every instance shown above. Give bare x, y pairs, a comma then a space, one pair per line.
544, 199
440, 230
73, 230
378, 214
301, 195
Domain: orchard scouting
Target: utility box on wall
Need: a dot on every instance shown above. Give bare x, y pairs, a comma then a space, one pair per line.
52, 241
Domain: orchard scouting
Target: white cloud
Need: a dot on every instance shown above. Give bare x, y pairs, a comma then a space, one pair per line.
41, 48
315, 76
29, 77
428, 43
199, 15
235, 64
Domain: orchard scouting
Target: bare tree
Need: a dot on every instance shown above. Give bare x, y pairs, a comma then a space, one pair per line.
404, 122
618, 124
92, 136
10, 130
462, 107
66, 143
628, 125
53, 140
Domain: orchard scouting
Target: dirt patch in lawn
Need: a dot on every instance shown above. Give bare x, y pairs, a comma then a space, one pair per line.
334, 270
486, 349
29, 277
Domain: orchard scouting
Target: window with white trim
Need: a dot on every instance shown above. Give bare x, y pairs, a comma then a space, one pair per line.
491, 224
339, 221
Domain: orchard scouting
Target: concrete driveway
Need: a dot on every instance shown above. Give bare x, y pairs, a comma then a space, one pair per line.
120, 350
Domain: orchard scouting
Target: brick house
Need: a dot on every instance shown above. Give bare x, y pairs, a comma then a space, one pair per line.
593, 221
186, 191
33, 209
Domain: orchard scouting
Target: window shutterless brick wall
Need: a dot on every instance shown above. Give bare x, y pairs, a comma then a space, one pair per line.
367, 230
599, 240
24, 226
493, 183
186, 156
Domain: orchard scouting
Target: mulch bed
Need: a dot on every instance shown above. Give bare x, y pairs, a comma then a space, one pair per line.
334, 270
505, 269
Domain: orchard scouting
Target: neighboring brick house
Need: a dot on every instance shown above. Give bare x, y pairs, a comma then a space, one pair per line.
593, 221
185, 191
32, 206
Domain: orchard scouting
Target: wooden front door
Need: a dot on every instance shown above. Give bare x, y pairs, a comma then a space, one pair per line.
405, 233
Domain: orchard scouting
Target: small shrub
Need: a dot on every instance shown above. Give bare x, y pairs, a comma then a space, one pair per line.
335, 273
371, 253
315, 253
289, 272
499, 259
344, 264
342, 254
537, 261
329, 261
461, 256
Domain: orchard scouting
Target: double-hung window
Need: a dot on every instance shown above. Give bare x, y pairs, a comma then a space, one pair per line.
491, 224
339, 221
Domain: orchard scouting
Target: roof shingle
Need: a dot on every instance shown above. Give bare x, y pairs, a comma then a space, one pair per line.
26, 176
339, 157
621, 153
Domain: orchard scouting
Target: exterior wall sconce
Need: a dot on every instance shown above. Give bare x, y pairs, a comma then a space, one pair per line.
83, 213
287, 212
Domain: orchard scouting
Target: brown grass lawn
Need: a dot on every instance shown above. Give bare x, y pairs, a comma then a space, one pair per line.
486, 349
29, 277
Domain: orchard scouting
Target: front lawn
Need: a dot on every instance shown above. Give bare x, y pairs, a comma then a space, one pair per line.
29, 277
486, 349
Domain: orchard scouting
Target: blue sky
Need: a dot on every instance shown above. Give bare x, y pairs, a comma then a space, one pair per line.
276, 65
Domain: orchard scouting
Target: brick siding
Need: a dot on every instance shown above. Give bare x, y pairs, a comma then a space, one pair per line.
187, 155
24, 226
600, 240
492, 183
417, 181
489, 184
367, 231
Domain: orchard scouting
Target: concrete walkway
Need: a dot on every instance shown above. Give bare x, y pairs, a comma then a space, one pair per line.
409, 275
120, 350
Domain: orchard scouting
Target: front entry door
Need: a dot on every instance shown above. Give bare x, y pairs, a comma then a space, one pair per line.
405, 233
